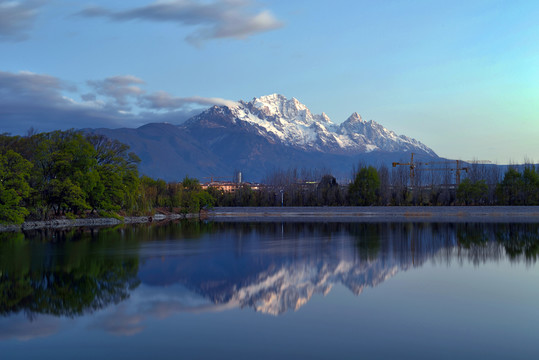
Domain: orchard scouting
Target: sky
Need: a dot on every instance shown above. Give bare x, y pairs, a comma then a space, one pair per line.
460, 76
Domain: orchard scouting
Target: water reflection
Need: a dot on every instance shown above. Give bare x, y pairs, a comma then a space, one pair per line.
201, 267
65, 273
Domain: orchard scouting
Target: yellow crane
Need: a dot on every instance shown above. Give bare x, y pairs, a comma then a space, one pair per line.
458, 168
410, 164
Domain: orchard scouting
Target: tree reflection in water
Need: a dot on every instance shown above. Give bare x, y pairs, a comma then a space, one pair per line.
65, 273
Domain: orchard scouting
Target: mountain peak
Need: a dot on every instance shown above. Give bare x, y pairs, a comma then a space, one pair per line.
279, 105
271, 97
325, 118
354, 118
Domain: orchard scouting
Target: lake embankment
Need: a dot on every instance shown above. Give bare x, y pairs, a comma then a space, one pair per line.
445, 214
68, 223
442, 214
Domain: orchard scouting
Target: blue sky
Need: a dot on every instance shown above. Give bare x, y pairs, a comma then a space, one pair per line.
460, 76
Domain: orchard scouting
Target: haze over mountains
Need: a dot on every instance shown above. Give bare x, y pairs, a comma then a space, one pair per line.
256, 137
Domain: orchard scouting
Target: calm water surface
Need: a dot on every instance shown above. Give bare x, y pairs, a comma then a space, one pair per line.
193, 290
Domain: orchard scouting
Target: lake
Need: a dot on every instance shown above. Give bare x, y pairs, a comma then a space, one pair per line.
201, 290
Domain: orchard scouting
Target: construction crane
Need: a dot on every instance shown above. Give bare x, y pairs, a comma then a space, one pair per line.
410, 164
457, 169
458, 166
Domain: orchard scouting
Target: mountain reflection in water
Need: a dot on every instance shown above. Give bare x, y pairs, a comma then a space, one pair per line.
269, 267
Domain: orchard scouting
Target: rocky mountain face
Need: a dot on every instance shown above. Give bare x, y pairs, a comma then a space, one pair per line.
290, 123
259, 136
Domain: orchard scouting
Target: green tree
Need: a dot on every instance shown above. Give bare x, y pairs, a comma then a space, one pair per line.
243, 196
199, 200
510, 190
117, 172
530, 179
194, 198
191, 184
73, 172
14, 187
65, 171
472, 193
365, 188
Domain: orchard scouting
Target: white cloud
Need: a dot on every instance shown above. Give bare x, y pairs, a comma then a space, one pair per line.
212, 20
163, 100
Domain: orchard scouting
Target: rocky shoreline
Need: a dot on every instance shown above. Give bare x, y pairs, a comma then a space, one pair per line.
67, 223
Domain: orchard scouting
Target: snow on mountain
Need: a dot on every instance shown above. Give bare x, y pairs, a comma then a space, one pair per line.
378, 137
291, 123
291, 287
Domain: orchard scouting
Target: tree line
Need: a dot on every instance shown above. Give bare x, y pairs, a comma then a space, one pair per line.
75, 174
380, 186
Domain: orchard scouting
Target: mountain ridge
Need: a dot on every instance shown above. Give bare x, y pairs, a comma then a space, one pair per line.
260, 136
291, 123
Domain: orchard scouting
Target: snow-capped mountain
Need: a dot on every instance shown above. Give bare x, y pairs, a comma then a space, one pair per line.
262, 135
291, 123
